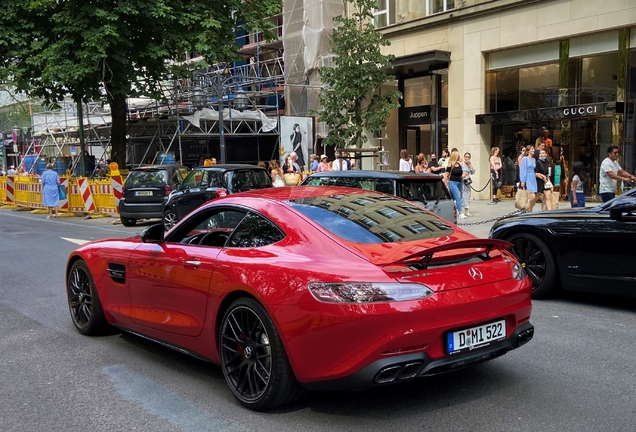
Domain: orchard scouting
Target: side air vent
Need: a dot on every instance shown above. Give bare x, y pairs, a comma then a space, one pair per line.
117, 273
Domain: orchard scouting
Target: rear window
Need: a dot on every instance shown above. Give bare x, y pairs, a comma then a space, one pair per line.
422, 190
371, 218
371, 184
245, 180
147, 178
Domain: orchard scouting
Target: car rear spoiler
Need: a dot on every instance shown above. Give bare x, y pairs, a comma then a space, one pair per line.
486, 244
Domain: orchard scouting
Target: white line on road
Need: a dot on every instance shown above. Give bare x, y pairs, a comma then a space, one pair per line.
76, 241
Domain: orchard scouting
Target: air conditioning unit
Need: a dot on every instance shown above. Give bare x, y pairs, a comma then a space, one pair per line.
328, 61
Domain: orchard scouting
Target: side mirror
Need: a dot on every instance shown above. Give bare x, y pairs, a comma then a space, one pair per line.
153, 234
620, 206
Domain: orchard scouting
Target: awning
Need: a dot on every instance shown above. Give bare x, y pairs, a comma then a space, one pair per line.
419, 63
556, 113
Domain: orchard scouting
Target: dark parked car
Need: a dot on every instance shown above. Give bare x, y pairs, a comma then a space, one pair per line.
146, 191
587, 249
206, 183
426, 190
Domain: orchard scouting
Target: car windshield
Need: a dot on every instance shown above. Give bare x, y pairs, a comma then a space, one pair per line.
147, 178
422, 190
244, 180
371, 218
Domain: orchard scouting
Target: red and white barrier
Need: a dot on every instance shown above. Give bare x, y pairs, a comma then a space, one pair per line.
87, 196
63, 205
11, 190
118, 189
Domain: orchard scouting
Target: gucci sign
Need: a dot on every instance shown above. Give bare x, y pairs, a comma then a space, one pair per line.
580, 110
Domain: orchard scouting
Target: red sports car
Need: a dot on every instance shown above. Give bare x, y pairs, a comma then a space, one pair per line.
314, 288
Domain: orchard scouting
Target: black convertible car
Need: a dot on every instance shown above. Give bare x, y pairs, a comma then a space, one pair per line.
589, 249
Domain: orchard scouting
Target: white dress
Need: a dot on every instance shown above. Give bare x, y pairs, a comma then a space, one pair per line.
278, 182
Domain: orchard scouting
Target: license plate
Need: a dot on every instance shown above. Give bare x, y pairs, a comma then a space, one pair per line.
143, 193
475, 337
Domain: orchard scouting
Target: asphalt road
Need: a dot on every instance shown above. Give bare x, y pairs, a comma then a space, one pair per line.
578, 374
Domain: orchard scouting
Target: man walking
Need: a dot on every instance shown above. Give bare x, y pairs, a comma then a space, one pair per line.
610, 173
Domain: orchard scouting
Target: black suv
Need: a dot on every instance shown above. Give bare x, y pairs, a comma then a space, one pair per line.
146, 191
427, 190
206, 183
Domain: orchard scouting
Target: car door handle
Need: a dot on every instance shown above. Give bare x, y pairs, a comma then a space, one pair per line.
192, 263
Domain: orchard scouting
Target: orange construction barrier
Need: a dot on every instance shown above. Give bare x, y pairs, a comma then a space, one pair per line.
3, 189
102, 191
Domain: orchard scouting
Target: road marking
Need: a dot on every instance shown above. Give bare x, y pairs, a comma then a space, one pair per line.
156, 400
76, 241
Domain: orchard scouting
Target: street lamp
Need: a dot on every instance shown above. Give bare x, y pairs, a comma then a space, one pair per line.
199, 98
241, 101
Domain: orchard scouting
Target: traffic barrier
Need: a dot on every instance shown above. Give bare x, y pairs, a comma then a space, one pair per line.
10, 190
3, 189
34, 197
102, 192
86, 194
117, 183
22, 191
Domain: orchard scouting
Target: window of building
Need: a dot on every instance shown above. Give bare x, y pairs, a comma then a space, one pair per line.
437, 6
417, 91
592, 79
384, 15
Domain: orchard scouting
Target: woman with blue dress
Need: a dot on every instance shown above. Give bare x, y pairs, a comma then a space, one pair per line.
527, 176
50, 190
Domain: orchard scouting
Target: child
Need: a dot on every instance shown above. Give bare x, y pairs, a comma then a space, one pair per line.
577, 196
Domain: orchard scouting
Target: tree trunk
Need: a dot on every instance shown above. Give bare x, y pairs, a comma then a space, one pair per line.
118, 129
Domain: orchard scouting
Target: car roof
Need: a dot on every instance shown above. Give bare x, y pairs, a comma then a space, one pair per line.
159, 167
230, 167
287, 193
376, 174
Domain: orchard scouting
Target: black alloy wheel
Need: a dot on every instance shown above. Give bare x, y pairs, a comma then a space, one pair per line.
128, 222
538, 261
83, 301
253, 359
169, 219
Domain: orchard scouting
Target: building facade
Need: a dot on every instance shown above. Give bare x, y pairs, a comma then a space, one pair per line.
478, 74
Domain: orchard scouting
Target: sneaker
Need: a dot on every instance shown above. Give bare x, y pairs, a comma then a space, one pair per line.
462, 216
468, 214
497, 200
492, 202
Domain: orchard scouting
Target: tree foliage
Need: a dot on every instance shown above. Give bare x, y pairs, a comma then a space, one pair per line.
350, 100
91, 49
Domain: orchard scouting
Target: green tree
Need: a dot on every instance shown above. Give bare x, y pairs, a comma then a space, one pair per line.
350, 100
114, 49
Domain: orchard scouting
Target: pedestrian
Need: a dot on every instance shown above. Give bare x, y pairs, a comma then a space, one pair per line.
421, 165
453, 180
50, 190
495, 173
544, 185
200, 162
314, 162
406, 164
467, 181
577, 193
11, 171
261, 164
290, 167
2, 171
339, 164
276, 173
323, 165
298, 166
610, 172
433, 166
443, 162
528, 178
213, 160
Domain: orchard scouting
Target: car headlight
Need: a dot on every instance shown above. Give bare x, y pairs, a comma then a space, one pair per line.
368, 292
518, 272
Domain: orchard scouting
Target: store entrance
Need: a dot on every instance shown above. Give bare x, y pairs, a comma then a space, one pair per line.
589, 143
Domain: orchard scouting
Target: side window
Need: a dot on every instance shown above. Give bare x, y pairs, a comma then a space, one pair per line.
193, 179
209, 228
255, 231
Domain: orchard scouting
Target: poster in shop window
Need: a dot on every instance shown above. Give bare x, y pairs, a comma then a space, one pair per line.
296, 134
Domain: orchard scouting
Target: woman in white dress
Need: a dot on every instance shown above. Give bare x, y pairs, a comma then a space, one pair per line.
406, 164
276, 173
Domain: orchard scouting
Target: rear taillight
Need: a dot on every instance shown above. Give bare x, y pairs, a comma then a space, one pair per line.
168, 189
361, 292
221, 193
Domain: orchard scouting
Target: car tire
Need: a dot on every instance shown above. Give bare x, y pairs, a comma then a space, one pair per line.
538, 261
169, 219
253, 359
128, 222
83, 301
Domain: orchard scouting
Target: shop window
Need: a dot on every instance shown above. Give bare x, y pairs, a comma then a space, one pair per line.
438, 6
384, 15
503, 90
417, 91
538, 86
592, 79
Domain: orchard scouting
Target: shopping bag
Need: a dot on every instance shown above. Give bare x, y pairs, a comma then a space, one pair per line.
62, 192
291, 179
521, 199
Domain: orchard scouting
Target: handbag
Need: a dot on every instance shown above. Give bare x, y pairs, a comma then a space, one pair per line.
548, 185
61, 190
291, 179
521, 199
467, 181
